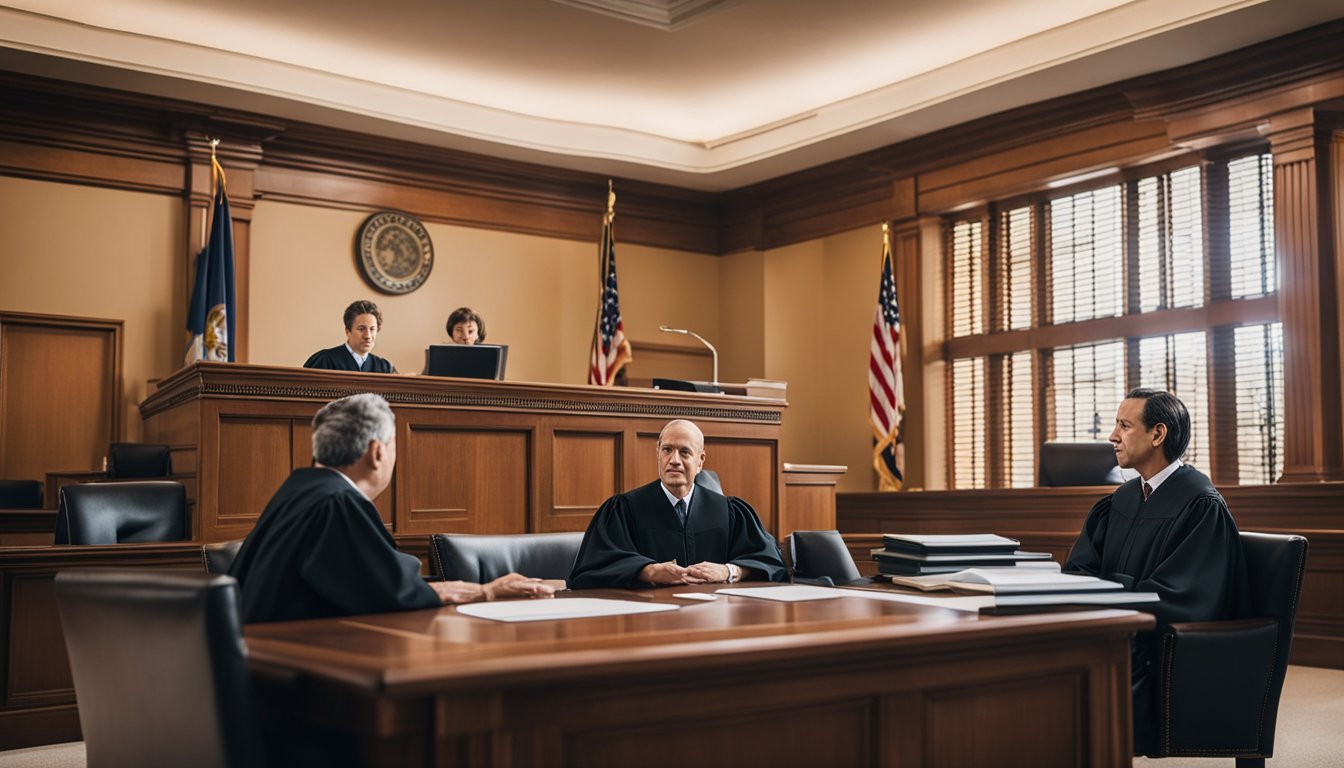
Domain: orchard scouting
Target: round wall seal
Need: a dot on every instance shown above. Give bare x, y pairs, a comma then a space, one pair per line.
394, 251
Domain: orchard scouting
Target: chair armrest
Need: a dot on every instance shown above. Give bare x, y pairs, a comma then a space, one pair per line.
1215, 679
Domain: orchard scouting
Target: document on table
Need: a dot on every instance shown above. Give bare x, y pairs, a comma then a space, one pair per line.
969, 603
563, 608
792, 593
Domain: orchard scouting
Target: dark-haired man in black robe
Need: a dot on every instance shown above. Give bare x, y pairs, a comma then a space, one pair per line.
1167, 531
320, 548
672, 531
362, 323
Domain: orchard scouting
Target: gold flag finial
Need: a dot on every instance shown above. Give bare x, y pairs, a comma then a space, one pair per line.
611, 202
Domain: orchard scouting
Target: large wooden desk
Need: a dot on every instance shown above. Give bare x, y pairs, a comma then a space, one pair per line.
738, 682
472, 456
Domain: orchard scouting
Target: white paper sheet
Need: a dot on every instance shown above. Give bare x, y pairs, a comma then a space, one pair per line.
565, 608
969, 603
792, 593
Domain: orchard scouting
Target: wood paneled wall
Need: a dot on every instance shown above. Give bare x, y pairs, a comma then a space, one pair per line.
60, 393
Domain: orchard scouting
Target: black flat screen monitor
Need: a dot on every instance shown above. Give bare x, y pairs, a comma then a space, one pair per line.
1090, 462
466, 361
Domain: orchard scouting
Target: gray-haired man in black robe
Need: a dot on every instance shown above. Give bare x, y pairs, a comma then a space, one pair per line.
320, 548
1167, 531
672, 531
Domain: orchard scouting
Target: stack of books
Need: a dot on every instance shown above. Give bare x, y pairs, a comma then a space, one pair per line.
987, 564
925, 554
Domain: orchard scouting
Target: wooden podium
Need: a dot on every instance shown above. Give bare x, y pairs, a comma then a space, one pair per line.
472, 456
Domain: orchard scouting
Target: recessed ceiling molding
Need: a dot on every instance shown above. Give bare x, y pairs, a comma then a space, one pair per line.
757, 131
667, 15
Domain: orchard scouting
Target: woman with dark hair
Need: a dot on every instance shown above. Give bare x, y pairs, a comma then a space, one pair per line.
465, 326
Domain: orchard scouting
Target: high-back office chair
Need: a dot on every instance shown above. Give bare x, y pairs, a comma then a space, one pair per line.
160, 669
821, 557
708, 478
469, 557
1221, 680
115, 513
137, 460
219, 555
20, 494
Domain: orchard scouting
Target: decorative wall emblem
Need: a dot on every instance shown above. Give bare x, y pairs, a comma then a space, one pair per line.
394, 252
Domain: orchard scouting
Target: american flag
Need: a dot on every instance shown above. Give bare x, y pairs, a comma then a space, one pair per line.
885, 390
611, 350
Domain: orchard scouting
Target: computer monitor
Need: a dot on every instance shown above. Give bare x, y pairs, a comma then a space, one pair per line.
1090, 462
466, 361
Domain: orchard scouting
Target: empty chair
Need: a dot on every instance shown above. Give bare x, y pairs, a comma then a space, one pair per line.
20, 494
708, 478
115, 513
134, 460
821, 557
218, 556
1221, 680
159, 667
469, 557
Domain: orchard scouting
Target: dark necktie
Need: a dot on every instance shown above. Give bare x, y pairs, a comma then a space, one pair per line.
1147, 491
680, 506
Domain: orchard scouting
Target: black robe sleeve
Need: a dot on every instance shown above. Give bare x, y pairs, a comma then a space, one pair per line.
608, 556
350, 564
752, 546
1085, 557
1200, 575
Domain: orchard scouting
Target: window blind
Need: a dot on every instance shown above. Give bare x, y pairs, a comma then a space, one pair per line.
1178, 363
1085, 256
1088, 382
968, 274
968, 430
1259, 373
1250, 193
1170, 240
1021, 439
1015, 268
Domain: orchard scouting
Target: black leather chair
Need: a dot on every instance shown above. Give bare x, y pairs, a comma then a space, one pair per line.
708, 478
137, 460
821, 557
20, 494
469, 557
1221, 680
160, 668
218, 556
115, 513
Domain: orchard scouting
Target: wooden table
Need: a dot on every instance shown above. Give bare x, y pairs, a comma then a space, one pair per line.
737, 681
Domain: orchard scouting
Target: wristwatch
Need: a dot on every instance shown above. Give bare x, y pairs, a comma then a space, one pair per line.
734, 573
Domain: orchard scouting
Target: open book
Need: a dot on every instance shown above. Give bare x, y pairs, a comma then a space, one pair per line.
1015, 581
936, 582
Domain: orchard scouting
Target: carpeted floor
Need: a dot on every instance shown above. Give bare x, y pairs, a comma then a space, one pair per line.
1309, 731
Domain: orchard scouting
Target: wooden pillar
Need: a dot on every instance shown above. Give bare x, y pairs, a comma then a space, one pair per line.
1306, 149
240, 158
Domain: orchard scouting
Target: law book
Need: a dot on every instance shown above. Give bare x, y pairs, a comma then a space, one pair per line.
938, 582
1004, 582
897, 566
1067, 600
949, 543
968, 560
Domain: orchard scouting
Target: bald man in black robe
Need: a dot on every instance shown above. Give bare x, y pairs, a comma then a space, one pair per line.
1167, 531
645, 537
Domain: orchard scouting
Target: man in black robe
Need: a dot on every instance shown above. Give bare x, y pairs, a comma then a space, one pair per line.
1167, 531
320, 549
362, 323
672, 531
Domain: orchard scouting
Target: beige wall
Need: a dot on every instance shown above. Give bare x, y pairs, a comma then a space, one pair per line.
820, 297
536, 294
89, 252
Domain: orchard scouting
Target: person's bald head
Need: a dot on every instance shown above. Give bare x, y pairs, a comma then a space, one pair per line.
681, 453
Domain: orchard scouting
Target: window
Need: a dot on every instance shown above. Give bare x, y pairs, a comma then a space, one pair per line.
1060, 305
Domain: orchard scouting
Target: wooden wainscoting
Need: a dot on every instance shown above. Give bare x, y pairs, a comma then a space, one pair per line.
60, 380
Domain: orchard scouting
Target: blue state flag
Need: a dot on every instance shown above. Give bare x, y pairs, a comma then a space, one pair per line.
211, 315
